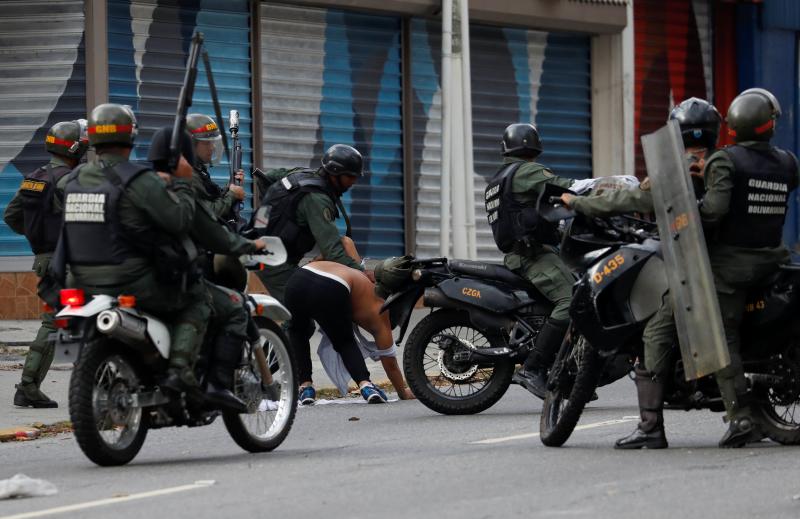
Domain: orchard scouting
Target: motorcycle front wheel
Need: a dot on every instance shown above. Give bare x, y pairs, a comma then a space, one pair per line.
268, 422
443, 382
572, 381
109, 429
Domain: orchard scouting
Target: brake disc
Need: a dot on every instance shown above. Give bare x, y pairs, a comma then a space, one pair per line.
454, 370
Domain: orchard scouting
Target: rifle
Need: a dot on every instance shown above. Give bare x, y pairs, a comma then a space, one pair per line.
217, 111
184, 101
236, 158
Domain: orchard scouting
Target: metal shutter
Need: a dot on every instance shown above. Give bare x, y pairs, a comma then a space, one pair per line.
329, 77
148, 45
42, 49
517, 76
673, 54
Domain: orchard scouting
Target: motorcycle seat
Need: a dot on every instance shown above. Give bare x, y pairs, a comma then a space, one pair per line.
489, 271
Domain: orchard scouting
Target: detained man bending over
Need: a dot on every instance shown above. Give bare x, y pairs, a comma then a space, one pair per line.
336, 296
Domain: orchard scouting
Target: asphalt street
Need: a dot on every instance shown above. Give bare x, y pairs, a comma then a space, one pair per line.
403, 460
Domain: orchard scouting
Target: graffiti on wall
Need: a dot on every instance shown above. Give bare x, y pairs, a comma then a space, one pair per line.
517, 76
148, 46
673, 61
332, 77
48, 86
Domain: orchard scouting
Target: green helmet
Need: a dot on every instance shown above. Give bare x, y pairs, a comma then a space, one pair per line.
65, 139
203, 128
111, 123
752, 115
392, 275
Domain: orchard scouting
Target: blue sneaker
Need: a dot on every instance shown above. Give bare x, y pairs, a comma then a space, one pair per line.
307, 395
373, 394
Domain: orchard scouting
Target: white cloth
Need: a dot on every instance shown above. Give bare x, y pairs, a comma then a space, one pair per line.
22, 486
604, 183
334, 365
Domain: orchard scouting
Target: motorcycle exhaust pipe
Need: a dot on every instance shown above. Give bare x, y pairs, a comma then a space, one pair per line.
123, 326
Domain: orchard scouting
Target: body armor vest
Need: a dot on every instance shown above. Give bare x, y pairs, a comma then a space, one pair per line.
212, 190
762, 181
37, 192
512, 221
282, 198
93, 233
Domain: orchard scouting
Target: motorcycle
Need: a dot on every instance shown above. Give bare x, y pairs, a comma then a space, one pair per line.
120, 353
622, 287
484, 319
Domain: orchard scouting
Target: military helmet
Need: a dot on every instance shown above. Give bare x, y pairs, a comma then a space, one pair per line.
341, 159
521, 140
65, 139
699, 121
203, 128
158, 153
752, 115
391, 275
111, 123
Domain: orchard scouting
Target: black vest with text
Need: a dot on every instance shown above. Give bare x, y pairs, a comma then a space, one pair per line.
93, 232
512, 221
762, 181
282, 198
37, 192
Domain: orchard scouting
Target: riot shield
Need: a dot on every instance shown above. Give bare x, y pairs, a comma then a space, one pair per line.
691, 283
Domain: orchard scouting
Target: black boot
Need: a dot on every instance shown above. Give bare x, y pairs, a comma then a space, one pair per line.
29, 395
743, 429
533, 374
649, 434
227, 357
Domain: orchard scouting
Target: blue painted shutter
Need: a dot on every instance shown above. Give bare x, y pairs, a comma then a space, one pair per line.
331, 77
148, 46
43, 83
517, 76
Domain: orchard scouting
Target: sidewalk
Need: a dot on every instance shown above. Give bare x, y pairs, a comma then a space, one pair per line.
16, 335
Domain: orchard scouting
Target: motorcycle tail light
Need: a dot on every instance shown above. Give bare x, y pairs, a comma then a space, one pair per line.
72, 297
127, 301
61, 323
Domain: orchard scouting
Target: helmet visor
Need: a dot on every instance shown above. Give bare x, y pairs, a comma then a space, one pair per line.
209, 149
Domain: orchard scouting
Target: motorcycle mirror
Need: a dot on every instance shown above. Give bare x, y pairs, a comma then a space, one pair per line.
274, 255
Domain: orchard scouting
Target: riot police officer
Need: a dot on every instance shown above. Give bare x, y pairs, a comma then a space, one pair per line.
743, 212
700, 123
207, 143
35, 211
511, 198
228, 326
303, 206
126, 233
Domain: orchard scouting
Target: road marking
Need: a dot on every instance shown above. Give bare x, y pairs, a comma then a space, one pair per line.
111, 501
536, 434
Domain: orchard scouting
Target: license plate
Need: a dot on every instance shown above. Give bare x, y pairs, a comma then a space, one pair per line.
66, 351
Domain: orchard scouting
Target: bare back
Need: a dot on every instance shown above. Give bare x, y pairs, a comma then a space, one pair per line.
366, 305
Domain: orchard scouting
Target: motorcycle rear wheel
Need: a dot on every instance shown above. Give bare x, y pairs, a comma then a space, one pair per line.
573, 379
443, 385
108, 429
778, 408
268, 423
